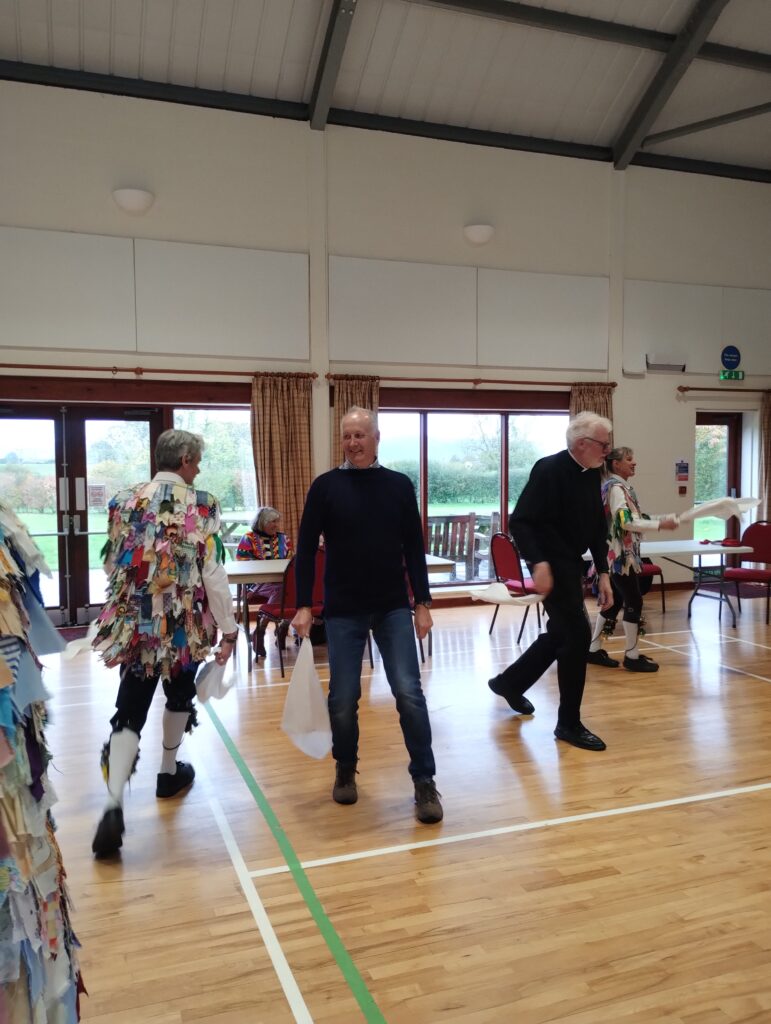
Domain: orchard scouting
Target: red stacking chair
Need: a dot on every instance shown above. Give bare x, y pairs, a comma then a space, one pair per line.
758, 537
648, 570
284, 611
508, 570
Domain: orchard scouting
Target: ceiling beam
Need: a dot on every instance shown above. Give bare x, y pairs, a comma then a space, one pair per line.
331, 58
700, 23
702, 126
596, 28
529, 144
89, 81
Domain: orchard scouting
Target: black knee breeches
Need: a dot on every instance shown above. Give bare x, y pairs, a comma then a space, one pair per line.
136, 692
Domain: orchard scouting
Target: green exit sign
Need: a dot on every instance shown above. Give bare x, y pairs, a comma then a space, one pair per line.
732, 374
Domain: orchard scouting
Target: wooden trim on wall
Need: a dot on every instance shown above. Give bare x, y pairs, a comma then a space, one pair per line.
104, 391
450, 399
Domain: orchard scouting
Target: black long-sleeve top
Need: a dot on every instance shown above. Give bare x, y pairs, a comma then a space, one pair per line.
559, 514
372, 531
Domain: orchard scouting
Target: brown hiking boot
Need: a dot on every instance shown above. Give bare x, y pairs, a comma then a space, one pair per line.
428, 807
344, 790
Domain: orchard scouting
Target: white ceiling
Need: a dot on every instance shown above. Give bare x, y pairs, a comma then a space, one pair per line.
468, 70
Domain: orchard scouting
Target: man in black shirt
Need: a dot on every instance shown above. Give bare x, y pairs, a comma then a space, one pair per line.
369, 518
558, 517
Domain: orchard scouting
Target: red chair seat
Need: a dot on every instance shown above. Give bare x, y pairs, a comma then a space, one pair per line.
650, 569
521, 586
748, 575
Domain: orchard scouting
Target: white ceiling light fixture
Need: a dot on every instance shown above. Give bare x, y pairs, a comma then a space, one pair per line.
133, 200
478, 234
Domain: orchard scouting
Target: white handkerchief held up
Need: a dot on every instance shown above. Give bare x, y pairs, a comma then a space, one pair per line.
499, 593
306, 718
75, 647
720, 508
210, 681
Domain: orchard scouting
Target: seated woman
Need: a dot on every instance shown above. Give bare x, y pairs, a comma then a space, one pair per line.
263, 541
626, 523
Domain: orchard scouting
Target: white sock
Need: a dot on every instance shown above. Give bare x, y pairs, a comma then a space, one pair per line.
174, 723
631, 631
599, 625
124, 746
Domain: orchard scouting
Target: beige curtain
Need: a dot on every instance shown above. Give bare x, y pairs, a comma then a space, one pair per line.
592, 398
765, 457
281, 440
350, 390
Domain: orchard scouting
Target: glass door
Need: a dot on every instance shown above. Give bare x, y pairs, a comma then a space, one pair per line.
59, 467
717, 470
28, 485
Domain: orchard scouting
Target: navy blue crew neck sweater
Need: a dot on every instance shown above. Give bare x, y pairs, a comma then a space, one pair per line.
372, 531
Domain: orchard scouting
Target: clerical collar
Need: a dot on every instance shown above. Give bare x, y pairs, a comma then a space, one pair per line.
584, 469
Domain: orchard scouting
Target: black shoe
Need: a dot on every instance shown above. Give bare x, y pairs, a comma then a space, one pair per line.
108, 838
428, 807
579, 736
601, 657
170, 785
640, 664
344, 790
516, 701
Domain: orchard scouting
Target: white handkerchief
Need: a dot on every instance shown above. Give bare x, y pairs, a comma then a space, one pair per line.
498, 593
211, 682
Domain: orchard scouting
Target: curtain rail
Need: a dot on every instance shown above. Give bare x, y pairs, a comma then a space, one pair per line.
486, 380
739, 391
140, 371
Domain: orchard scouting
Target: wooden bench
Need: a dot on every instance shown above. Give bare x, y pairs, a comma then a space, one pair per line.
455, 537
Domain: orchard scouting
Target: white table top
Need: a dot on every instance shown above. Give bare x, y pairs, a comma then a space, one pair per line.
668, 548
272, 570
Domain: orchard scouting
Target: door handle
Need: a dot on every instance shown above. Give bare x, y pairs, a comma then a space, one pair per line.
76, 525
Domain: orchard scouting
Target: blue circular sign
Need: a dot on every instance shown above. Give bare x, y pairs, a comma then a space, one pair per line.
730, 357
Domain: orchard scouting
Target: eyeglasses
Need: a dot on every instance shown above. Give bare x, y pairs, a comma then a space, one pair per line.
605, 445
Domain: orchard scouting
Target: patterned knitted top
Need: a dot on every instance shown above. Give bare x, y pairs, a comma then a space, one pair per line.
256, 546
157, 612
621, 508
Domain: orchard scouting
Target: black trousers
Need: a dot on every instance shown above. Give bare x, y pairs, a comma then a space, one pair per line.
136, 692
565, 641
627, 595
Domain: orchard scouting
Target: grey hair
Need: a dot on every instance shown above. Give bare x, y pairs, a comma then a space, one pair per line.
582, 424
173, 445
265, 515
368, 414
614, 455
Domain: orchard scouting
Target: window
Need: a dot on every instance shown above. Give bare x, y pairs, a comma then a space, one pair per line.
468, 465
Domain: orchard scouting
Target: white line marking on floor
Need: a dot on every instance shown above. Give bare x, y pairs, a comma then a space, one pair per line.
272, 945
527, 826
723, 665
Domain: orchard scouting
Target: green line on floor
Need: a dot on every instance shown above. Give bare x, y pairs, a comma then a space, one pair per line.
341, 955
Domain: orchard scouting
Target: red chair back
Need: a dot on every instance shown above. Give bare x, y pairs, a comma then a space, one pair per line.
506, 561
288, 606
758, 537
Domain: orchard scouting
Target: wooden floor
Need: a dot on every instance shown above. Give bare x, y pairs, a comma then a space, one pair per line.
632, 885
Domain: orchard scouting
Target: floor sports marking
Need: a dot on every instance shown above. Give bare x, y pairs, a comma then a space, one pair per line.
674, 649
270, 941
342, 957
526, 826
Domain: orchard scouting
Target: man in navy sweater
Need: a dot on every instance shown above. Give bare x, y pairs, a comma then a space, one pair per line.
558, 517
369, 519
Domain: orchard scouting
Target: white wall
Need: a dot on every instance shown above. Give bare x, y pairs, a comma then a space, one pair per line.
235, 180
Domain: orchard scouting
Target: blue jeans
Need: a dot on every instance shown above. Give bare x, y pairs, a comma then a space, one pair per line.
395, 637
